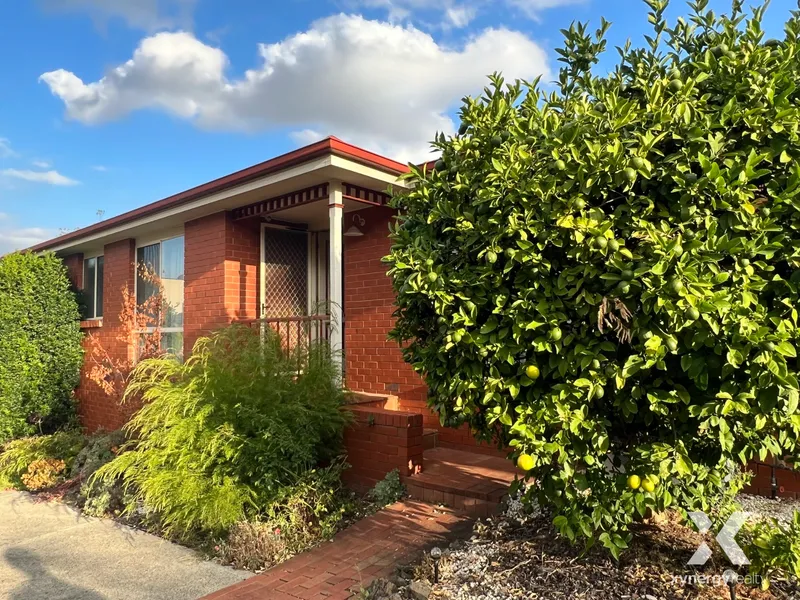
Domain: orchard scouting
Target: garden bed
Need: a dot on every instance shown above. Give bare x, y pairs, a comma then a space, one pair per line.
60, 468
506, 559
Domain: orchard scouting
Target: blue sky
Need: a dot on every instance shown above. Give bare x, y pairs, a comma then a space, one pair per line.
106, 105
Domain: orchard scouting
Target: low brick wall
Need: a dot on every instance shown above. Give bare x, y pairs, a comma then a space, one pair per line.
788, 480
379, 441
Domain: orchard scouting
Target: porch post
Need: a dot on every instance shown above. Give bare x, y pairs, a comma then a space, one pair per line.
335, 271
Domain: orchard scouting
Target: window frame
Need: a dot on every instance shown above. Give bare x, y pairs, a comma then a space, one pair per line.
94, 257
143, 243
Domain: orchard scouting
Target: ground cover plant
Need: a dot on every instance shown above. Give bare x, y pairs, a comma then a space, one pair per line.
605, 276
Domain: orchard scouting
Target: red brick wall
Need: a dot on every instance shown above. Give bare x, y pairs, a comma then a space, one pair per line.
95, 408
380, 441
74, 264
788, 480
221, 274
221, 284
374, 363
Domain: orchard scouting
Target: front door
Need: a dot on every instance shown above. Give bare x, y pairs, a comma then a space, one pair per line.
285, 273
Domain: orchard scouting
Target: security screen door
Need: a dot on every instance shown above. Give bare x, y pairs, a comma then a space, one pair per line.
285, 273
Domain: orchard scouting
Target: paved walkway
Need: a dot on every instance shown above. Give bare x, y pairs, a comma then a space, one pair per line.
49, 551
370, 549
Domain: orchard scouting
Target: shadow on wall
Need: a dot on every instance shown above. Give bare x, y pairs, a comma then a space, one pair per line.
41, 585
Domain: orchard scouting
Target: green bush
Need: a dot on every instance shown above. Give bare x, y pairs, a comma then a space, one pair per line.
389, 490
300, 516
606, 275
221, 436
99, 498
99, 449
773, 548
18, 455
40, 345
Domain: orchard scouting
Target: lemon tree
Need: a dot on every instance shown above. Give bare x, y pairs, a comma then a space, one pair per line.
634, 235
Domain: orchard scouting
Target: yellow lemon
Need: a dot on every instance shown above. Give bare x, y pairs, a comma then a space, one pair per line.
532, 371
634, 481
525, 462
648, 485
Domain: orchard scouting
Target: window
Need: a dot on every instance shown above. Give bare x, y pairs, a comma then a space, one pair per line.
93, 287
161, 265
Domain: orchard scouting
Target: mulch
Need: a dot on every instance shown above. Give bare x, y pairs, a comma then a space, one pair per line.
505, 560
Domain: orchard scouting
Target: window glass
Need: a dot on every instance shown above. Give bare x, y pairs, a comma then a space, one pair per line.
147, 258
98, 304
164, 260
172, 280
172, 343
89, 278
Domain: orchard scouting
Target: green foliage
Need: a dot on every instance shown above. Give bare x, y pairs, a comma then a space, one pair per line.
634, 236
773, 548
389, 490
302, 515
40, 345
100, 449
99, 498
220, 436
16, 456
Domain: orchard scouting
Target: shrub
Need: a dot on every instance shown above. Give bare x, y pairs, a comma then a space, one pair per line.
100, 448
773, 548
99, 498
17, 456
389, 490
40, 345
221, 435
606, 276
301, 515
43, 473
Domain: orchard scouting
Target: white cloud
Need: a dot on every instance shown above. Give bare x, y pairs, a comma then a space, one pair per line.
452, 13
100, 168
6, 151
533, 8
41, 164
460, 16
383, 86
49, 177
19, 238
142, 14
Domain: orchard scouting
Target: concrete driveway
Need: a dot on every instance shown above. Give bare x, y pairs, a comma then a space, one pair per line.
48, 551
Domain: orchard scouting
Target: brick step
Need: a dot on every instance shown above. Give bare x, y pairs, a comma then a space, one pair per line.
467, 481
430, 438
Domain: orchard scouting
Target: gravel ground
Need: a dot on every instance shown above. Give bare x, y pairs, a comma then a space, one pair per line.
509, 560
781, 509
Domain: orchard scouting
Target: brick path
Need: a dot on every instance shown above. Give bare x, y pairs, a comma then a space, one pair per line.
370, 549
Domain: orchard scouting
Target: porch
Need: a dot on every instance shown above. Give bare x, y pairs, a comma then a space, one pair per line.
303, 235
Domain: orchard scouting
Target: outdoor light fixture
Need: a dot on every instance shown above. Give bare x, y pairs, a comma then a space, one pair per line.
354, 230
436, 554
731, 577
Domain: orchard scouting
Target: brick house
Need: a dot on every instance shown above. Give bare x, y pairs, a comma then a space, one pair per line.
295, 241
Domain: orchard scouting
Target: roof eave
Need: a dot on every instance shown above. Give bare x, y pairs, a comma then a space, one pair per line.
330, 145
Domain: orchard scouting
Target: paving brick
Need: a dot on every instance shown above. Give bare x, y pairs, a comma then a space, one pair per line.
370, 549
